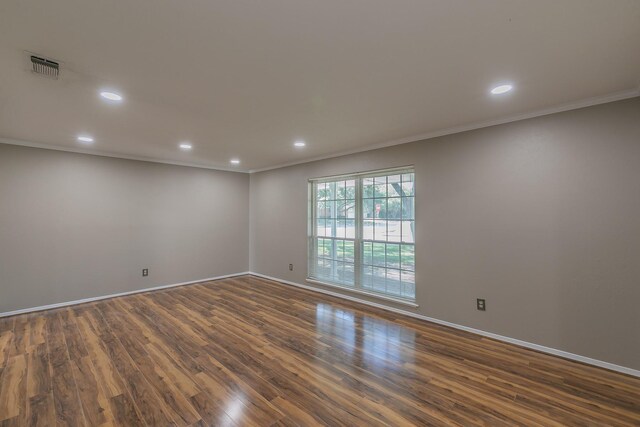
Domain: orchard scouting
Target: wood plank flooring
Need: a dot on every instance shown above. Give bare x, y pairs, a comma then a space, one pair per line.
248, 351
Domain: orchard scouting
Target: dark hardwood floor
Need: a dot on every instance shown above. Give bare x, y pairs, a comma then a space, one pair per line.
248, 351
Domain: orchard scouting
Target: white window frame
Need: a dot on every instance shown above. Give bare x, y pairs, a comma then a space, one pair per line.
358, 239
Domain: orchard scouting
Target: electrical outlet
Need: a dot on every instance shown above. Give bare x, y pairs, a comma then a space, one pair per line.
145, 272
481, 304
290, 267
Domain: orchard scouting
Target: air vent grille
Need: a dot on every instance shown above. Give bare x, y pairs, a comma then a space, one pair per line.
45, 67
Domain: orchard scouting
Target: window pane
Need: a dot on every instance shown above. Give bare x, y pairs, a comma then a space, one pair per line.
394, 231
380, 208
339, 271
320, 191
379, 279
331, 208
368, 210
341, 209
367, 277
350, 229
407, 177
393, 256
408, 231
408, 287
328, 227
350, 189
367, 253
381, 239
341, 228
349, 251
393, 282
367, 230
408, 284
408, 257
407, 208
378, 254
340, 193
325, 248
331, 190
393, 186
350, 210
394, 208
407, 188
380, 230
323, 267
321, 210
340, 250
348, 273
367, 188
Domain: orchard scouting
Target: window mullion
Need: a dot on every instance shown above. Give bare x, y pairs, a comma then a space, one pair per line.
313, 240
323, 257
358, 235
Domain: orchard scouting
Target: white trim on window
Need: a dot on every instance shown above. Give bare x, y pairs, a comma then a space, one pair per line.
350, 254
367, 293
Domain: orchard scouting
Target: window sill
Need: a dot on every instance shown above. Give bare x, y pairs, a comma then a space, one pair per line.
363, 292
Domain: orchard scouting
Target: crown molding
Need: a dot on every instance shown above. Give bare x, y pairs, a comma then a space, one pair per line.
77, 150
588, 102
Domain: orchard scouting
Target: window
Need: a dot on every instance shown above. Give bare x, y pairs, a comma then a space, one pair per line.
362, 232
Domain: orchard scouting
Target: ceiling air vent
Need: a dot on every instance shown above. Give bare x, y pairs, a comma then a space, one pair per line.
45, 67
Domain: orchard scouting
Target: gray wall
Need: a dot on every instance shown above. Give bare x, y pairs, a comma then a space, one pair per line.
75, 226
541, 217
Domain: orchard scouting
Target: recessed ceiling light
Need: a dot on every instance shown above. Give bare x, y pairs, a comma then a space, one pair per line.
185, 146
498, 90
235, 161
111, 96
300, 143
85, 138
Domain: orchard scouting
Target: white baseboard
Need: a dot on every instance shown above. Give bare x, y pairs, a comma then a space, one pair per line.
541, 348
137, 291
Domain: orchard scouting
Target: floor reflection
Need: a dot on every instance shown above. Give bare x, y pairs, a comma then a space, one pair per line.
365, 341
337, 323
235, 407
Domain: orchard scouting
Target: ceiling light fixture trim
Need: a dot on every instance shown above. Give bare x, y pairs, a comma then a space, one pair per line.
501, 89
85, 139
111, 96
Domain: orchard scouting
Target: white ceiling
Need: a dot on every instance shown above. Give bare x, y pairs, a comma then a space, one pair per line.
245, 78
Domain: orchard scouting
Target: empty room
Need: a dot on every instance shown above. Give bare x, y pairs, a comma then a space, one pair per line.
320, 213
